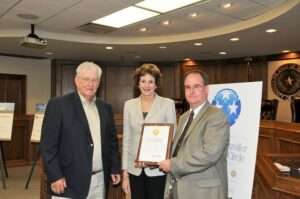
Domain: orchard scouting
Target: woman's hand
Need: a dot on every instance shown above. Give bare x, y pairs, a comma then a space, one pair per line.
125, 182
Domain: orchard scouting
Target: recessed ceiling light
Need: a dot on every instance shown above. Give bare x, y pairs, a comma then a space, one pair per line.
234, 39
49, 53
125, 17
271, 30
27, 16
165, 5
109, 47
286, 51
222, 53
194, 14
198, 44
165, 23
163, 47
225, 5
187, 59
143, 29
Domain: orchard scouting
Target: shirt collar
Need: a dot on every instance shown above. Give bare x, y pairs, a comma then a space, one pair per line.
197, 110
85, 102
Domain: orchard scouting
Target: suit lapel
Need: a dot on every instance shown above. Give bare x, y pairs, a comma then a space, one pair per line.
154, 107
196, 120
179, 130
192, 126
80, 112
138, 108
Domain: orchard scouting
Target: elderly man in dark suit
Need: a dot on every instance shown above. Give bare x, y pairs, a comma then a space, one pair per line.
198, 166
79, 140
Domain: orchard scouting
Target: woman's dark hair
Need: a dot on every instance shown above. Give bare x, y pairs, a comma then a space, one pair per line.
151, 69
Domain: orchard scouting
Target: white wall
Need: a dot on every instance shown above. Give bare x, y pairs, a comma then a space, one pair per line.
284, 110
38, 78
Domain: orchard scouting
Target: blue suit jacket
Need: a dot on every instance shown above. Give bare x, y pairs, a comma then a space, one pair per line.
67, 145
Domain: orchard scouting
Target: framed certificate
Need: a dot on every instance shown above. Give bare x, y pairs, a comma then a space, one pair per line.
155, 143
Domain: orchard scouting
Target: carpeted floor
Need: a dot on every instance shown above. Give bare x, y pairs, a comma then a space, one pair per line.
16, 181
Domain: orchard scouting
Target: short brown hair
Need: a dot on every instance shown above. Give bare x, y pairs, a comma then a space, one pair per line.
201, 73
144, 69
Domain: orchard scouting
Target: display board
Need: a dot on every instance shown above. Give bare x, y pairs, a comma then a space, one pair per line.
38, 121
6, 120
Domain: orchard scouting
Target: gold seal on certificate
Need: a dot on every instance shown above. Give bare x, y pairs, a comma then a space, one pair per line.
155, 142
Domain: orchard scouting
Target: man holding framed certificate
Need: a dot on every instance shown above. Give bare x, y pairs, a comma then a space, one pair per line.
198, 167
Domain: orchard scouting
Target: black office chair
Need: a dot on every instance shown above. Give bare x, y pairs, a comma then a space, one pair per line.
295, 108
269, 109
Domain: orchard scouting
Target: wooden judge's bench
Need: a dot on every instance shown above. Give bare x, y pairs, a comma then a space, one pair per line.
278, 142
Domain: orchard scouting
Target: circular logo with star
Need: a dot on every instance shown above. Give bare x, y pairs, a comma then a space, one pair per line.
229, 102
286, 81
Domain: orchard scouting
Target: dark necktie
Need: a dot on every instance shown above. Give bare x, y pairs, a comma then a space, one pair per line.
183, 133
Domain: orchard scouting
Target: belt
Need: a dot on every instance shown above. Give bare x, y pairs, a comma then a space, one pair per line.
94, 172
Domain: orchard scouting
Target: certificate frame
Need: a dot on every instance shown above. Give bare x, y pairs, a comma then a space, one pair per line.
155, 136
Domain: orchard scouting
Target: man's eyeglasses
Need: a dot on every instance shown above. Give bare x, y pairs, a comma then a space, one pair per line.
196, 87
87, 80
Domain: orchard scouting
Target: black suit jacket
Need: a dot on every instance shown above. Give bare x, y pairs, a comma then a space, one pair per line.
67, 145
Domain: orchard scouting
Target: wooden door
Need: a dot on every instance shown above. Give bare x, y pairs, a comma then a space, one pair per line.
13, 89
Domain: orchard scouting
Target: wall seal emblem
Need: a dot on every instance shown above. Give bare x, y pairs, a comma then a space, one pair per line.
286, 81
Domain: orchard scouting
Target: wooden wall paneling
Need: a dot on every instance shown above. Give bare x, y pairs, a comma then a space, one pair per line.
259, 69
168, 79
212, 68
2, 90
119, 86
63, 75
68, 73
231, 70
178, 81
234, 73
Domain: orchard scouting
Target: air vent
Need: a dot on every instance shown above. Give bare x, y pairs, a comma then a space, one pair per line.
94, 28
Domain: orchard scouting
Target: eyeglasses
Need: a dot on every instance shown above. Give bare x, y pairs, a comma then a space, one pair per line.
196, 87
87, 80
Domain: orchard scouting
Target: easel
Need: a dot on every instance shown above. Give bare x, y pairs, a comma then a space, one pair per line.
7, 111
3, 167
35, 136
32, 167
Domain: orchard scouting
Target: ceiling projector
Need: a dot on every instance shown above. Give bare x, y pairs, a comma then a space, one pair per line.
32, 40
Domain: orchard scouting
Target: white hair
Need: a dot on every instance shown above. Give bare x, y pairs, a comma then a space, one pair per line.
88, 65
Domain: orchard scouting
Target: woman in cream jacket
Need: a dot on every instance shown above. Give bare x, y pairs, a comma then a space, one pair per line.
141, 181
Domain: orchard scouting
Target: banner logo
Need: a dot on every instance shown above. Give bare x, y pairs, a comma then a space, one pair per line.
229, 102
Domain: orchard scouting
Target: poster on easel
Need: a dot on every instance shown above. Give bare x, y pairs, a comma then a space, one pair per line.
38, 121
6, 120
